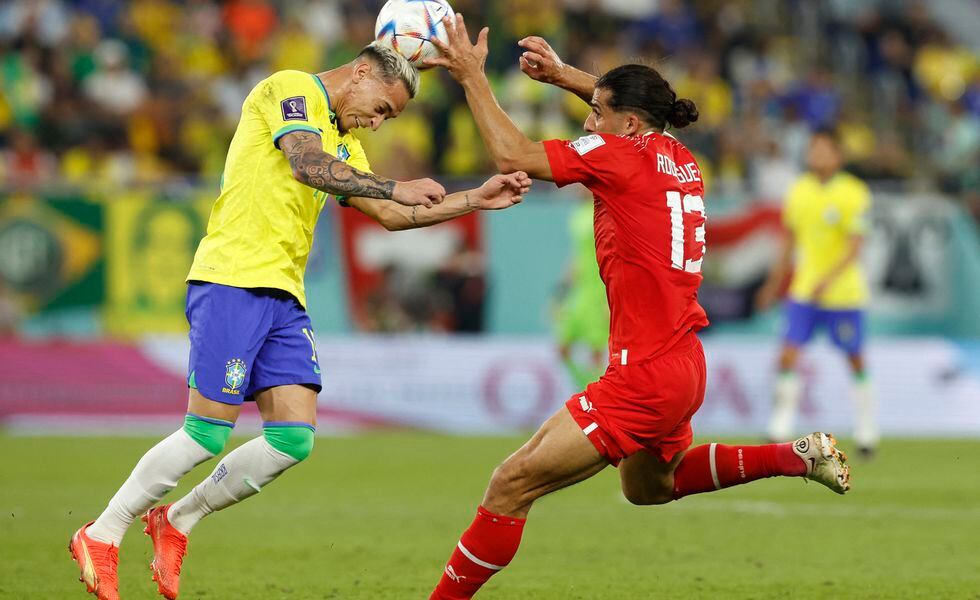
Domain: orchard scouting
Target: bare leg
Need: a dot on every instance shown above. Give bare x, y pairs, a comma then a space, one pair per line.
648, 480
557, 456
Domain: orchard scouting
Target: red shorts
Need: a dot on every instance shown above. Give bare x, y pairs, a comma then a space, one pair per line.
644, 407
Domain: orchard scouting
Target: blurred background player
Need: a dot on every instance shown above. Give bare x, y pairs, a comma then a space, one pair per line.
251, 337
582, 316
650, 245
826, 220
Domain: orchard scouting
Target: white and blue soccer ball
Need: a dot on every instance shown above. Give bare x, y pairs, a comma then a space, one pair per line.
408, 25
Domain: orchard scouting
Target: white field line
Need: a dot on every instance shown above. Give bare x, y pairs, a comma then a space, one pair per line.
838, 509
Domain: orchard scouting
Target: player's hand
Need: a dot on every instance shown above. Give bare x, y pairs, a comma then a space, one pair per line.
418, 192
540, 61
501, 191
460, 56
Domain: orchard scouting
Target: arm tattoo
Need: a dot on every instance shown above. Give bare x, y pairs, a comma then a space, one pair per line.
319, 170
414, 220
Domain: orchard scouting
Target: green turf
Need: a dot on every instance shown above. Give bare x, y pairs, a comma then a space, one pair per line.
375, 517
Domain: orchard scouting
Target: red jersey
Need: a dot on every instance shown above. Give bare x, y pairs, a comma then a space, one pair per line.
649, 235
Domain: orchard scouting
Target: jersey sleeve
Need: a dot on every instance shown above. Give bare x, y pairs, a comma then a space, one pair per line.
284, 101
855, 218
592, 160
357, 159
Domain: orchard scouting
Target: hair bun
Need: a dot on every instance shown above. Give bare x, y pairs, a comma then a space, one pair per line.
682, 113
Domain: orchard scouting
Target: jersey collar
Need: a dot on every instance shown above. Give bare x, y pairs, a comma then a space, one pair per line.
333, 117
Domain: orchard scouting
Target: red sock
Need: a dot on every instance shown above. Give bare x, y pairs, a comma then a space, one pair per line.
715, 466
485, 548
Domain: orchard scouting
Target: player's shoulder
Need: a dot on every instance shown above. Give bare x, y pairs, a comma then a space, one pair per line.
852, 183
603, 144
806, 182
286, 82
291, 76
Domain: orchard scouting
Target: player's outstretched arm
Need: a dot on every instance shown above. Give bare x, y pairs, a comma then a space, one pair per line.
313, 167
541, 63
510, 149
500, 191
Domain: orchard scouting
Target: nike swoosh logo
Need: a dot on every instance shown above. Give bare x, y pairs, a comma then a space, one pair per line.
88, 569
813, 463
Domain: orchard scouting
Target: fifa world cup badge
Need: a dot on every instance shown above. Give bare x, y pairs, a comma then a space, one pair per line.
234, 376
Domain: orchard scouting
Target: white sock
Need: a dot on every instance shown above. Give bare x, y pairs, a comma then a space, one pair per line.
787, 398
154, 475
866, 410
243, 473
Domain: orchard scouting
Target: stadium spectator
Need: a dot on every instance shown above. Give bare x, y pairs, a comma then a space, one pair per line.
112, 86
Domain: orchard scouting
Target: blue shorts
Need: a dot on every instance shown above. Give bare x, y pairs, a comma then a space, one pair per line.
846, 326
244, 340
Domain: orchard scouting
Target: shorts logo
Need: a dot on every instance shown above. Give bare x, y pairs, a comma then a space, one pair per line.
294, 109
234, 376
585, 404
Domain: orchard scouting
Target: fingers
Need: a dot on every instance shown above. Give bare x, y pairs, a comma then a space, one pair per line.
533, 58
535, 44
450, 22
461, 27
518, 181
481, 38
441, 46
436, 62
532, 71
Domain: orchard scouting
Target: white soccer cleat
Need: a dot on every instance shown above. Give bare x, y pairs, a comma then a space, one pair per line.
824, 462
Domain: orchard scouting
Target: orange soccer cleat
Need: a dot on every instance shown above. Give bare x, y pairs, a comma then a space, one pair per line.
98, 563
169, 549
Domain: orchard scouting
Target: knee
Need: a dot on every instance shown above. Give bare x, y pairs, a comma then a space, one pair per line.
211, 434
510, 487
648, 497
295, 441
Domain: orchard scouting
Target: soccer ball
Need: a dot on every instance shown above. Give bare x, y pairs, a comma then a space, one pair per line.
408, 25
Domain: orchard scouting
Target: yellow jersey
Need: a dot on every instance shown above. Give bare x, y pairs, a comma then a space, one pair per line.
261, 227
824, 217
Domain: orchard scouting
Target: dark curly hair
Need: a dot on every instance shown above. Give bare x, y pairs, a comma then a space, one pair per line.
643, 89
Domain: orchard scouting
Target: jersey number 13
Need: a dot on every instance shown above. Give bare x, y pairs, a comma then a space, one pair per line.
678, 206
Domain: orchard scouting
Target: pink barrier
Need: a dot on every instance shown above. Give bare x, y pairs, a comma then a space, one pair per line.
104, 387
84, 378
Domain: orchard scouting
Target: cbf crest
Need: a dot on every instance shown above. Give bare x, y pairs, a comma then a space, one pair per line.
234, 376
343, 153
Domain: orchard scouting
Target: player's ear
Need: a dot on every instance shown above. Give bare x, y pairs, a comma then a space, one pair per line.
361, 70
632, 124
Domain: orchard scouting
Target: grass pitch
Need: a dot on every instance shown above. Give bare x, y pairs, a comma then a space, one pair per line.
376, 516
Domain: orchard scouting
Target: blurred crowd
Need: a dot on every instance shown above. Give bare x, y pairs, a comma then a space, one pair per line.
110, 94
134, 92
